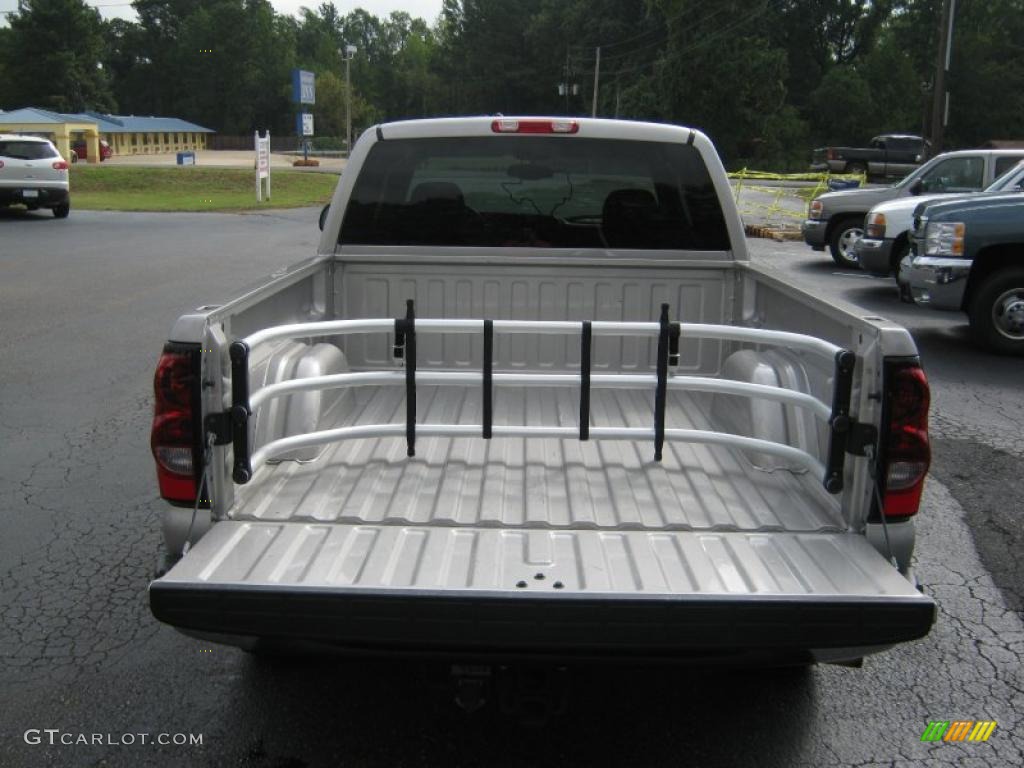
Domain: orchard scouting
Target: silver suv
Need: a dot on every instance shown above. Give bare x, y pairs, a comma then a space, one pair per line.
33, 173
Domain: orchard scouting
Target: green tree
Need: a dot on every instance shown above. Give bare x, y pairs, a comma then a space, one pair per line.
318, 38
52, 57
896, 97
843, 106
987, 73
224, 64
6, 40
330, 107
491, 62
767, 79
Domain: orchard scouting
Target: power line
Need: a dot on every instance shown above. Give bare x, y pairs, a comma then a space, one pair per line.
714, 37
664, 24
662, 28
717, 12
658, 44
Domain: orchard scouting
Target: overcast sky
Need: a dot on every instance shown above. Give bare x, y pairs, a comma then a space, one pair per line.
425, 9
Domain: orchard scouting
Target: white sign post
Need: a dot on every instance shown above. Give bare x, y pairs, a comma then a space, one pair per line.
262, 165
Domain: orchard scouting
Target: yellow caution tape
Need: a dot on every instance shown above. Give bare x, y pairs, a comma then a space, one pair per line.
784, 197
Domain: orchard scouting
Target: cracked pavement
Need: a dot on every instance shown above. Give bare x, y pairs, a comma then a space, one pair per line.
85, 305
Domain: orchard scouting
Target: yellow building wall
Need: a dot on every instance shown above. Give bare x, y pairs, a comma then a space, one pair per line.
155, 143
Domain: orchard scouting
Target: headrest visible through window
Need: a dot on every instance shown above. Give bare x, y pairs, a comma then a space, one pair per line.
627, 218
430, 191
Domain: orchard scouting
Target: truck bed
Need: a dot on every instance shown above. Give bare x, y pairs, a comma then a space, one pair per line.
539, 548
536, 483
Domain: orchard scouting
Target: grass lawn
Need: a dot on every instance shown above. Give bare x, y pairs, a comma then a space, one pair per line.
189, 188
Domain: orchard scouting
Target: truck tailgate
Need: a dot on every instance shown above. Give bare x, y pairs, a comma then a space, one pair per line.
403, 587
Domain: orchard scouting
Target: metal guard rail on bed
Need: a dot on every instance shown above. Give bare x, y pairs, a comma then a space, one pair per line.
845, 435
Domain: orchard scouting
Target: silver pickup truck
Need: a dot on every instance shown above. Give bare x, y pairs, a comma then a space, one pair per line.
531, 400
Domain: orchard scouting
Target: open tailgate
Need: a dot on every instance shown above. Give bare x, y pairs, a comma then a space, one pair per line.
403, 587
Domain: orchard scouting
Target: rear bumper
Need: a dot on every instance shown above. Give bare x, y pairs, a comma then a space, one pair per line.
570, 626
814, 231
875, 256
41, 196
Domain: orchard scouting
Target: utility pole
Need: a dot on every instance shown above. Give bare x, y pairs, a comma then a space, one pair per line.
567, 88
597, 74
567, 81
940, 95
350, 51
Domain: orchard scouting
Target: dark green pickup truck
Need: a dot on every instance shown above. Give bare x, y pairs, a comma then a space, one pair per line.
968, 255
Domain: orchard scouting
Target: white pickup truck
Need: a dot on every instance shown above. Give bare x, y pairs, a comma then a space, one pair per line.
531, 400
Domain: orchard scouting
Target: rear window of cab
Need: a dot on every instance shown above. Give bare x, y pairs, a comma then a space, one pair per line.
532, 191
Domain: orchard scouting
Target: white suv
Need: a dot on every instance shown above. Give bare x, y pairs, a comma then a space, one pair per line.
33, 173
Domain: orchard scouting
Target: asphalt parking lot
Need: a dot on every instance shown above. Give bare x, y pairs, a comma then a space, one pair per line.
85, 305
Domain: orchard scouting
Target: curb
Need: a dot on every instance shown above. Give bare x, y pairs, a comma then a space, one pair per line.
772, 233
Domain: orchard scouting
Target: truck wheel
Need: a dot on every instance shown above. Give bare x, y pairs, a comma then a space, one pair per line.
61, 211
860, 168
997, 312
844, 235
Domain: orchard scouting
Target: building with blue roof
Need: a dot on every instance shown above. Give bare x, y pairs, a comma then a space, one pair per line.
126, 134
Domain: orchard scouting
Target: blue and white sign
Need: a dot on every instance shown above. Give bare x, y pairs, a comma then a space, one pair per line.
304, 124
303, 87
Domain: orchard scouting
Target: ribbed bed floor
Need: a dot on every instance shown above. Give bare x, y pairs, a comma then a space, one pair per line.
534, 483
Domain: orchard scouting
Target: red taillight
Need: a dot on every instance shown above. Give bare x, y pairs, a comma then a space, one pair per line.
172, 438
60, 165
173, 381
1, 163
907, 451
831, 154
512, 125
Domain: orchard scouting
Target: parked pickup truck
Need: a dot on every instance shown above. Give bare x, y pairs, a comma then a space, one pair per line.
836, 219
968, 256
887, 227
891, 154
531, 400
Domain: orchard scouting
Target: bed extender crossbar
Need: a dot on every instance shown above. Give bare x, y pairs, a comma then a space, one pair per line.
234, 426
